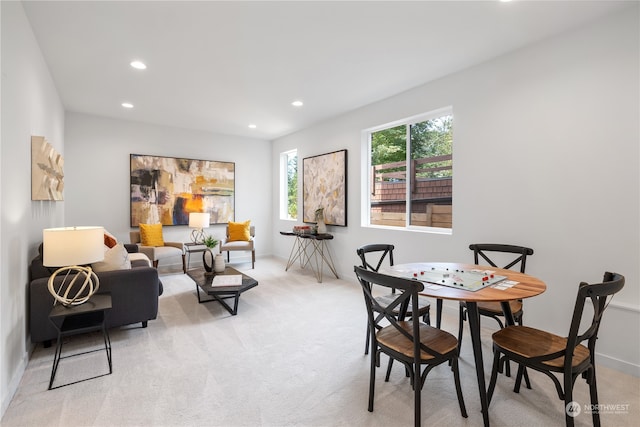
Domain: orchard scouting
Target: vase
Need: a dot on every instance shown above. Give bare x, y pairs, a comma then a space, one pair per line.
322, 227
208, 260
219, 264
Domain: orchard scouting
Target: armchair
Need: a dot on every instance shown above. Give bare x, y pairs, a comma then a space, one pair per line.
156, 253
240, 245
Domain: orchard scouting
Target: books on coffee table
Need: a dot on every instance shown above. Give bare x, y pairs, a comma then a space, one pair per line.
227, 280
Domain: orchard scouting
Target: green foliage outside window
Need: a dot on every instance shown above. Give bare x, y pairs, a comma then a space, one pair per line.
292, 186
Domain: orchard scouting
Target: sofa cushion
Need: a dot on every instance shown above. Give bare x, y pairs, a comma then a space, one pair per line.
115, 258
151, 235
239, 231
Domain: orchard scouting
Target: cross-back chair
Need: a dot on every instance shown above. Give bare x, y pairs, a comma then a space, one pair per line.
549, 353
487, 251
411, 342
373, 257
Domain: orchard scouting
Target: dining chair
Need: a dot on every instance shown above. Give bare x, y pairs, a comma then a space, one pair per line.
411, 342
549, 353
494, 309
373, 256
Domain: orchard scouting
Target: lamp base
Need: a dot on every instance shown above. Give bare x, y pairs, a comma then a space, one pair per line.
65, 293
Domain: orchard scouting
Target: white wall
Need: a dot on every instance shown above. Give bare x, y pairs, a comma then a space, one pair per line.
30, 106
97, 174
546, 154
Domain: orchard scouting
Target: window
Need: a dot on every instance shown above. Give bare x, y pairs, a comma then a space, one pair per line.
289, 185
410, 172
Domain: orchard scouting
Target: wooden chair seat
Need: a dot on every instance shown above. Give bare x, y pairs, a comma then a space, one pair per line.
493, 307
530, 343
436, 339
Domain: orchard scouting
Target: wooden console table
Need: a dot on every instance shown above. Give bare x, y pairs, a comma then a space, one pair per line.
311, 250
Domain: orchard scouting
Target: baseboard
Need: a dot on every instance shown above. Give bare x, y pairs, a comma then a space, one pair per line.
617, 365
14, 383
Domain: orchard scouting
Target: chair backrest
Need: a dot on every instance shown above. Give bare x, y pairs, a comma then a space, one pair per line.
373, 255
481, 249
134, 237
597, 293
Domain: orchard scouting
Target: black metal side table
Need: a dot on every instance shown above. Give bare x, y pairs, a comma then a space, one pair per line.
80, 319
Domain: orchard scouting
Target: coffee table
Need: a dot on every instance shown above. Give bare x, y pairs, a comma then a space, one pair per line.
221, 293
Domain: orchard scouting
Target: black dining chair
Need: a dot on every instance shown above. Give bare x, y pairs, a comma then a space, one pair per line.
411, 342
550, 354
373, 257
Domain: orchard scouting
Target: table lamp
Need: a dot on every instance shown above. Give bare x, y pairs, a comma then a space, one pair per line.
70, 248
198, 221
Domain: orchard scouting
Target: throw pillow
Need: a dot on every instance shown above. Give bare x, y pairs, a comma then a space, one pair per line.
115, 258
109, 239
151, 235
239, 231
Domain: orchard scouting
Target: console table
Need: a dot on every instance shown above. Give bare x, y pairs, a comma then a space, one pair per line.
311, 250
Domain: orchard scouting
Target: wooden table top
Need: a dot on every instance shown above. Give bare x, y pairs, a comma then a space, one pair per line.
528, 286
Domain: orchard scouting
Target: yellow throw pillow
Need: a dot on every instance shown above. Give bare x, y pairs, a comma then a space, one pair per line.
239, 231
151, 235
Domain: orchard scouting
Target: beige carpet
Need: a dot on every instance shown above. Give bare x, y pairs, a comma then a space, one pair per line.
293, 356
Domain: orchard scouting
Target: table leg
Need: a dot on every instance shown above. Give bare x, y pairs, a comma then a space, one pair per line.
296, 251
474, 325
438, 312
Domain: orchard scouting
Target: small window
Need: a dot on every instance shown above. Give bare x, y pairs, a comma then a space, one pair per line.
410, 172
289, 185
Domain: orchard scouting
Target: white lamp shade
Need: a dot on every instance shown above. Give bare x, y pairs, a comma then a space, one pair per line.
68, 246
199, 220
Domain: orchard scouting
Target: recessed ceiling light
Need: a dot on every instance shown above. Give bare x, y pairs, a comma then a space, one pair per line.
297, 103
127, 105
138, 65
252, 126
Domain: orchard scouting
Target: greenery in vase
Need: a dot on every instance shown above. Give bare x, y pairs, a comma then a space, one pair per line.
210, 242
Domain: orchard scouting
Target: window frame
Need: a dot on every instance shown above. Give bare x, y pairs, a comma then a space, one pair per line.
366, 137
284, 185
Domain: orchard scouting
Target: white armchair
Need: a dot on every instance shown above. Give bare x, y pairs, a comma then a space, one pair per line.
156, 253
240, 245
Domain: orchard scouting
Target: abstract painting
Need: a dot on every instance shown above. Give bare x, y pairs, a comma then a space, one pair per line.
166, 189
47, 174
325, 186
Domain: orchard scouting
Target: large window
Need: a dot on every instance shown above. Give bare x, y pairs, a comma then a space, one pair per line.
289, 185
409, 172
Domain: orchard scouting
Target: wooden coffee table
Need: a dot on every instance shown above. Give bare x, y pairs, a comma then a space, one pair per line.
221, 293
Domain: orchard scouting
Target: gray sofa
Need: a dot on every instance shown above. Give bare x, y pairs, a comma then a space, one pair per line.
134, 296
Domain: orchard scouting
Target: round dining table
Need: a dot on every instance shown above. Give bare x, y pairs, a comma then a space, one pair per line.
525, 286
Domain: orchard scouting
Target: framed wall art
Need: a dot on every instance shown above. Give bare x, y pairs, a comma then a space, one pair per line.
47, 171
324, 184
166, 189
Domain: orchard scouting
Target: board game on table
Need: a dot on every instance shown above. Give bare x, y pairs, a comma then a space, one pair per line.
468, 280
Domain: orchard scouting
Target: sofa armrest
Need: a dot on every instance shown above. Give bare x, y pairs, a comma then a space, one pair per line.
178, 245
131, 248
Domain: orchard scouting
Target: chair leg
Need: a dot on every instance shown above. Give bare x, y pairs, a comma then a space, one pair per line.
417, 388
494, 375
184, 265
456, 379
427, 318
386, 378
461, 327
593, 391
253, 259
372, 379
568, 398
155, 264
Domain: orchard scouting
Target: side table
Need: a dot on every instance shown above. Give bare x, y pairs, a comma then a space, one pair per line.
80, 319
195, 248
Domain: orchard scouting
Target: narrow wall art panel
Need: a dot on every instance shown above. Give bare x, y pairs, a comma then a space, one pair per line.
47, 171
325, 186
166, 189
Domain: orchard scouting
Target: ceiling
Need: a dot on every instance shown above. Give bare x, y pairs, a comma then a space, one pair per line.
220, 66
